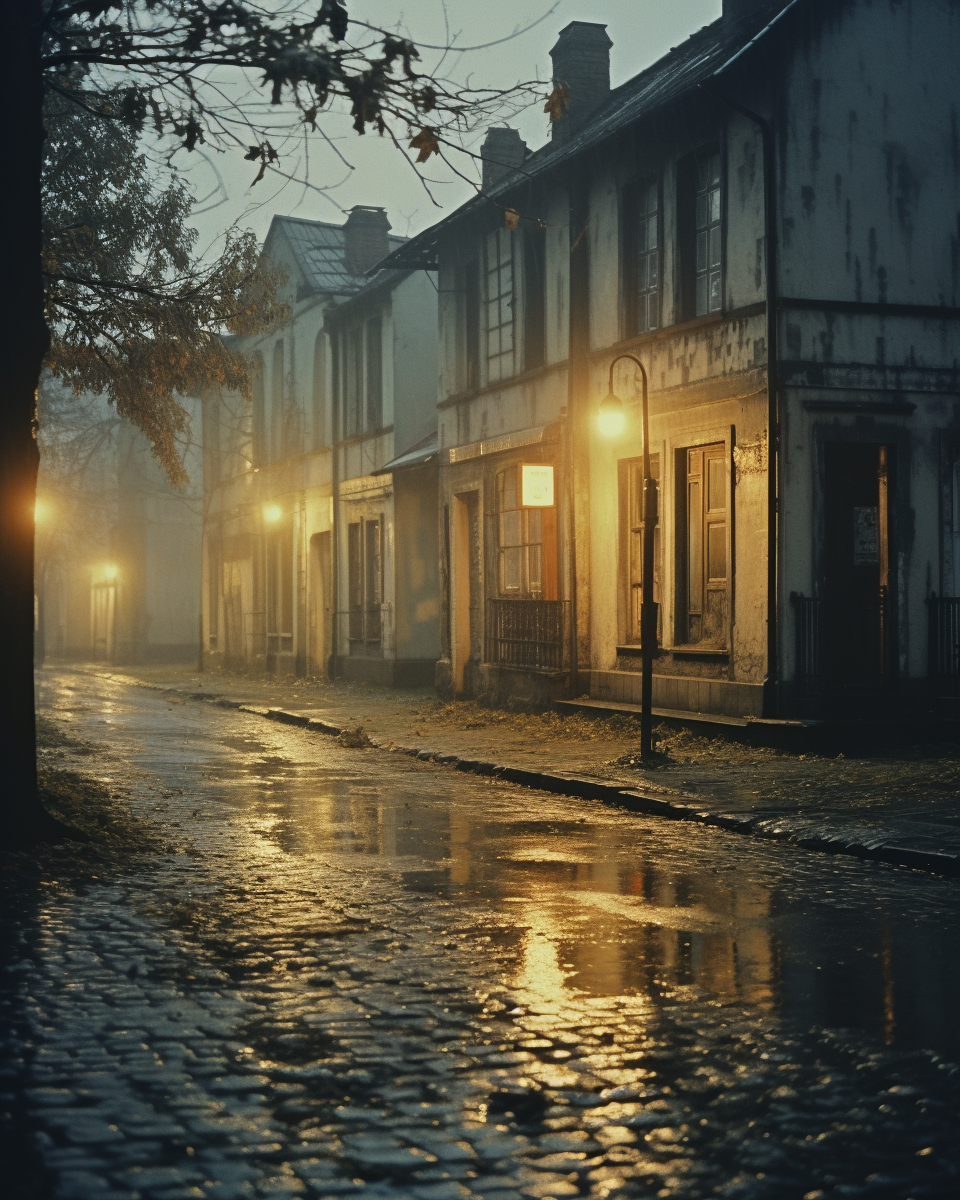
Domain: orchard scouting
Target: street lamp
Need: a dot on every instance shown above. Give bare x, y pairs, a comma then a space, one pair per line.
611, 420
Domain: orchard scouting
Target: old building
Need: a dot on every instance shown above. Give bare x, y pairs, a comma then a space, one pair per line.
117, 546
767, 219
301, 532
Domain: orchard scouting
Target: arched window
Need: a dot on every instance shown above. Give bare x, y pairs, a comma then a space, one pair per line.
321, 436
259, 414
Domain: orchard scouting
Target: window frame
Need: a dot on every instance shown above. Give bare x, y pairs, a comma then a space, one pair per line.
698, 543
642, 306
533, 543
690, 173
499, 299
631, 548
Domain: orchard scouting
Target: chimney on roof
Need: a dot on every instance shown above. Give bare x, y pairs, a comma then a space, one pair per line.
581, 65
502, 152
365, 238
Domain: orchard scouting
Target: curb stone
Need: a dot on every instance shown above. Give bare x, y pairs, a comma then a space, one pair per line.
798, 833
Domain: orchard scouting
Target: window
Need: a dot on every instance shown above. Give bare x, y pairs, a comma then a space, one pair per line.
320, 437
353, 384
698, 217
526, 543
276, 401
703, 553
374, 380
499, 305
259, 414
534, 297
365, 584
471, 325
640, 245
631, 524
280, 590
709, 285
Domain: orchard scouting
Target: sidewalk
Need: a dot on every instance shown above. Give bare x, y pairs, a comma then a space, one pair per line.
902, 807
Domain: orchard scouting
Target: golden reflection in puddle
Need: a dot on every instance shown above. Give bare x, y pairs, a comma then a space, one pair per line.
540, 978
693, 920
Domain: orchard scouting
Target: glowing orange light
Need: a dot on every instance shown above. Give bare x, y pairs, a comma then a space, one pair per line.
272, 513
611, 417
110, 572
536, 485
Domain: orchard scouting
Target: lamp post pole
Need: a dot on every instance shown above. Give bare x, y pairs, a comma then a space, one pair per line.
648, 608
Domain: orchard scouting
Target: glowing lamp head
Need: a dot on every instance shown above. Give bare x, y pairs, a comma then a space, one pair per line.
272, 513
611, 418
110, 572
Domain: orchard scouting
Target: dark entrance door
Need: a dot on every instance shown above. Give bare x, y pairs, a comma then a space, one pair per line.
857, 622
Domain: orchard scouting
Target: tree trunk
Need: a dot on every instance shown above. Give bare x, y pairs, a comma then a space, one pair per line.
25, 335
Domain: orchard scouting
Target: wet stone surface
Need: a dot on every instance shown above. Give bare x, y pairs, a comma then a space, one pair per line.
358, 975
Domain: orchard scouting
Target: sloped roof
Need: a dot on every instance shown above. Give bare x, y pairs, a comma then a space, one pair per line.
318, 248
703, 55
425, 450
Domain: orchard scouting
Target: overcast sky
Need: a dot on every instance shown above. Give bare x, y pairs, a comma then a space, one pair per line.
369, 170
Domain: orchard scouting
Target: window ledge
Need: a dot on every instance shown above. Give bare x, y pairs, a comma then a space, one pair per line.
699, 652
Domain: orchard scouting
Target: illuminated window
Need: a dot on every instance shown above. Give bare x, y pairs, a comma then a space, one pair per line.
499, 305
526, 543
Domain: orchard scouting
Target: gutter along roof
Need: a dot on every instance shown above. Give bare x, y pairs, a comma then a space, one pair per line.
702, 57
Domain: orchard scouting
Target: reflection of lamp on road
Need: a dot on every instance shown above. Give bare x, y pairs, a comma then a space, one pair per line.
272, 513
611, 420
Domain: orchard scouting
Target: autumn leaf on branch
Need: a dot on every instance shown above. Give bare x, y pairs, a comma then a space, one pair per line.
557, 102
426, 143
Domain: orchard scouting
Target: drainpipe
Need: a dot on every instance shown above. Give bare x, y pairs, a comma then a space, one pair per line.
772, 690
578, 388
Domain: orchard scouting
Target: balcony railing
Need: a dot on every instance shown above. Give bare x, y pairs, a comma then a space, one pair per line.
943, 667
526, 633
808, 618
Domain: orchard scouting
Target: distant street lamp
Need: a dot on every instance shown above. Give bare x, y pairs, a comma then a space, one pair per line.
611, 420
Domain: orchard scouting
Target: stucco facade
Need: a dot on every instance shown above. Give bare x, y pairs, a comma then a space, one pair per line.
768, 220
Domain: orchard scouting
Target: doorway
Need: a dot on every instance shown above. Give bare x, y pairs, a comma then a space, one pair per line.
321, 608
858, 620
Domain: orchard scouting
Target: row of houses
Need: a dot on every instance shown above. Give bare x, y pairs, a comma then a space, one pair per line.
767, 223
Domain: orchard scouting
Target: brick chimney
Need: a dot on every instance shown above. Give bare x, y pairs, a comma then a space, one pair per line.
365, 238
581, 64
502, 152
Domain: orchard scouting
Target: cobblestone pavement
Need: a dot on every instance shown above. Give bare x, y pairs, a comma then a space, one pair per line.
352, 973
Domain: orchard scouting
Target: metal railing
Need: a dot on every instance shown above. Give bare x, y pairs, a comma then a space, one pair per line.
808, 621
943, 664
526, 633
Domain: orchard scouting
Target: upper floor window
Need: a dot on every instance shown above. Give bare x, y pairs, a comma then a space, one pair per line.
259, 422
699, 217
374, 381
640, 245
320, 436
499, 305
709, 286
471, 325
534, 297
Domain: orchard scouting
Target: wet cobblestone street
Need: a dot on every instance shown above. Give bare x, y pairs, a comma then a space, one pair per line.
356, 974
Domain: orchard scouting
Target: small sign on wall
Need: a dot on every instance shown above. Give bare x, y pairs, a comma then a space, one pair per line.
866, 535
536, 485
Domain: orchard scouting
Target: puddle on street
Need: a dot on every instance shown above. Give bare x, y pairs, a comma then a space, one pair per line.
590, 901
597, 903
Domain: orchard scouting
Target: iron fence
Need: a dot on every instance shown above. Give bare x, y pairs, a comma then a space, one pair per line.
526, 633
943, 667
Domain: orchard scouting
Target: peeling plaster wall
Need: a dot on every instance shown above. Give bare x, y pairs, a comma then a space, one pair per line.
870, 205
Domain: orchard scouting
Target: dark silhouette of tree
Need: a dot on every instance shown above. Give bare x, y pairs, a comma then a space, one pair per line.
116, 271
